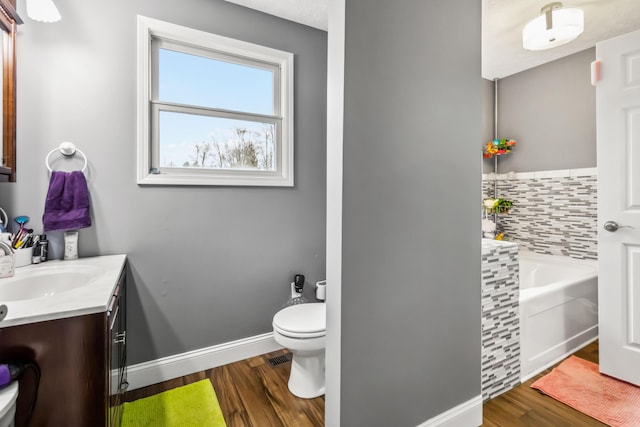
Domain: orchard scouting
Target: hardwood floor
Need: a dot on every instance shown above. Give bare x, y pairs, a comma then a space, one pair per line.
252, 393
524, 406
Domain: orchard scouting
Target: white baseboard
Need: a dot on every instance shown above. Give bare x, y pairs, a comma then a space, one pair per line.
466, 414
166, 368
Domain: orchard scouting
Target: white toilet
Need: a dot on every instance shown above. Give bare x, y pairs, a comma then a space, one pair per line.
8, 398
301, 328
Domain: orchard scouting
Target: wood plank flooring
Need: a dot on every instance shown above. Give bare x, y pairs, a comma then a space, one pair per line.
524, 406
252, 393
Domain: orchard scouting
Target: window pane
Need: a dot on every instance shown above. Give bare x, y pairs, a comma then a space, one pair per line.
193, 141
196, 80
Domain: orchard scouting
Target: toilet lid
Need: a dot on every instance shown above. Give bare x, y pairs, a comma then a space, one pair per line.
301, 319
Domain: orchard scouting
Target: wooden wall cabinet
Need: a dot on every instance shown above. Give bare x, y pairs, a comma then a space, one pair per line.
76, 356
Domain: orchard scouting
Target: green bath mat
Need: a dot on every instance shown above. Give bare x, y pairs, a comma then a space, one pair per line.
193, 405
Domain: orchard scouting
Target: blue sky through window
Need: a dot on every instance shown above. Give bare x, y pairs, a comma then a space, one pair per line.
196, 80
200, 81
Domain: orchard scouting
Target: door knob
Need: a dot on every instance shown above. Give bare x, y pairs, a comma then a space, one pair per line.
613, 226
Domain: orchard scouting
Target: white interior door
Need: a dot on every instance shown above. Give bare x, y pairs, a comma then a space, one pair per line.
618, 133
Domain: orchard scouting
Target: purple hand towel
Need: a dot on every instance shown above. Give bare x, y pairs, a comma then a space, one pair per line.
67, 204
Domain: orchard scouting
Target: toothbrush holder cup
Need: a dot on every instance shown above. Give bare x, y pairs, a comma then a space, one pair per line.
23, 257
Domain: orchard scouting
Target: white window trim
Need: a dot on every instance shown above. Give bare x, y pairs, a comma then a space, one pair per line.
149, 28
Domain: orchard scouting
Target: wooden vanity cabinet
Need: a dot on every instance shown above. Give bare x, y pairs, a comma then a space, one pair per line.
117, 351
76, 356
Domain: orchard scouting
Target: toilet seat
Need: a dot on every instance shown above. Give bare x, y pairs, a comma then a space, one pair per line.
301, 321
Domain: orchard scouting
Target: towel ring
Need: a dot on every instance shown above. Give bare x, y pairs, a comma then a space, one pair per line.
67, 149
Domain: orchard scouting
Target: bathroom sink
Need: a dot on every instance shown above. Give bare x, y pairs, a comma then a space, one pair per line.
60, 289
45, 282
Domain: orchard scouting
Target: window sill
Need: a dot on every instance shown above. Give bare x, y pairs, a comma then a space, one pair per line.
255, 179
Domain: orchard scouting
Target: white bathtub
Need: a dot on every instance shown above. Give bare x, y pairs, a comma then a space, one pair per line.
558, 309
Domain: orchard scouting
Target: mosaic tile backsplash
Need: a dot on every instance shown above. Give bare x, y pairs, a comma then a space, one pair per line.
554, 215
500, 318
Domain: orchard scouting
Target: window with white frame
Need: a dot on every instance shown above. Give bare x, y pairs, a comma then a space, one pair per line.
212, 110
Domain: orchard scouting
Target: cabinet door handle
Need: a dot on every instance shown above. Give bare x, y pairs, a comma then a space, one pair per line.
120, 338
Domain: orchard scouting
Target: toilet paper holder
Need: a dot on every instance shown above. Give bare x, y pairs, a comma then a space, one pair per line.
321, 290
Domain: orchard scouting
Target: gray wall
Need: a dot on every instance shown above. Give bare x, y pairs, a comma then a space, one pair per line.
550, 110
207, 264
411, 256
488, 109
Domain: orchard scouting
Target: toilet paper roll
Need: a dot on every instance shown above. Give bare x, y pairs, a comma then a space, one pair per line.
321, 290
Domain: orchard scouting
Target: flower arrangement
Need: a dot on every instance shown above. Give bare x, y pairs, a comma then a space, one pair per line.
498, 147
499, 206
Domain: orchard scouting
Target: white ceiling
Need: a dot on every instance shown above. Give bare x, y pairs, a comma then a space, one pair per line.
309, 12
503, 20
502, 23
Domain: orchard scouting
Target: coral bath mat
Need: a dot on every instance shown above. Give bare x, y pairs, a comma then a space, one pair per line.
192, 405
578, 383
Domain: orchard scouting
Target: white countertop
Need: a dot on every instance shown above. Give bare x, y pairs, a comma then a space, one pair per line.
92, 297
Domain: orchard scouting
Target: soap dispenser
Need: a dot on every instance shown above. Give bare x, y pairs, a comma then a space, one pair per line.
71, 245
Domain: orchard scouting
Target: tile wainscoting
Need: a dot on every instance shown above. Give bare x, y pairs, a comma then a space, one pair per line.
500, 318
555, 212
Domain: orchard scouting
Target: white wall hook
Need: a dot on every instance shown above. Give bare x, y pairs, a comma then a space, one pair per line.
67, 148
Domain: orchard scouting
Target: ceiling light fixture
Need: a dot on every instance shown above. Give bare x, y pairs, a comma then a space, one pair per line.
555, 27
43, 11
